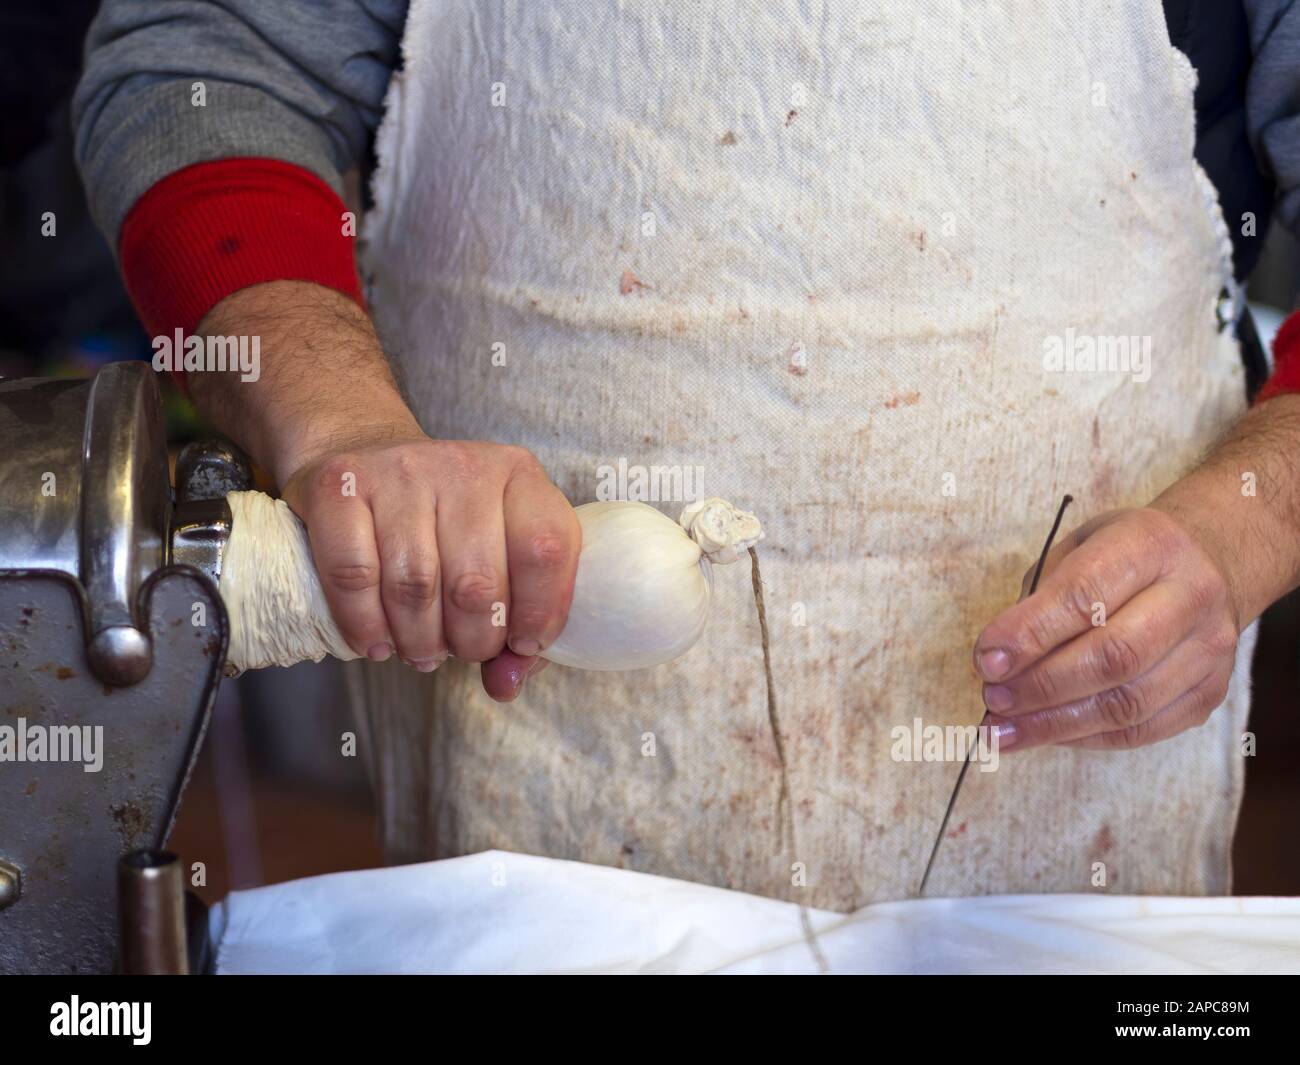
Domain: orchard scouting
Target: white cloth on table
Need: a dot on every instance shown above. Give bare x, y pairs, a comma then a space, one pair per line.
496, 912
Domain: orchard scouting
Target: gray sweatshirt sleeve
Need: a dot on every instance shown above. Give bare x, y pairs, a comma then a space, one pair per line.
1273, 99
302, 81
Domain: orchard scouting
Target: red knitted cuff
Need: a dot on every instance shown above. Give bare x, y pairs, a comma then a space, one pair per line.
213, 228
1286, 361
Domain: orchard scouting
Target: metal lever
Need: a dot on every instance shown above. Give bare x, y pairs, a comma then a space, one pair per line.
124, 510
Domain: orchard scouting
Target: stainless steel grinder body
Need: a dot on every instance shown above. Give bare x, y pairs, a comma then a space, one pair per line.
110, 627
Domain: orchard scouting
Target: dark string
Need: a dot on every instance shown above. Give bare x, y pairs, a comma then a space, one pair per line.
961, 776
784, 808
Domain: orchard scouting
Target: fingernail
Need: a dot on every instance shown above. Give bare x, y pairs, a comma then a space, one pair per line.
381, 652
994, 664
427, 665
525, 647
1004, 735
520, 673
516, 676
998, 697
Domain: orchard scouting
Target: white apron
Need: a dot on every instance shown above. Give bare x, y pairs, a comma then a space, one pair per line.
813, 255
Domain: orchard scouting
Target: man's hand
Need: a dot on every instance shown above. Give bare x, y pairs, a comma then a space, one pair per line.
428, 547
1132, 633
423, 547
1129, 639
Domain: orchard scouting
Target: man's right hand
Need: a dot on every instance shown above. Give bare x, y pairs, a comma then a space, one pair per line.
423, 547
426, 547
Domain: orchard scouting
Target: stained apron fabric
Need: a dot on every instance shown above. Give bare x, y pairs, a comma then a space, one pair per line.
814, 254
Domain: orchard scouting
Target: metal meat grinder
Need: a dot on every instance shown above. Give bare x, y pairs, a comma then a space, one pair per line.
112, 643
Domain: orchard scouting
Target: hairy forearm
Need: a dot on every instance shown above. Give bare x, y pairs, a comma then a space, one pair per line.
1243, 504
324, 380
436, 536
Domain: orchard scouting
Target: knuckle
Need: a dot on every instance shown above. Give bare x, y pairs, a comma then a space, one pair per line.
521, 457
1164, 536
1117, 658
352, 577
411, 461
546, 550
475, 593
459, 459
1079, 597
416, 591
1222, 642
330, 474
1207, 697
1123, 707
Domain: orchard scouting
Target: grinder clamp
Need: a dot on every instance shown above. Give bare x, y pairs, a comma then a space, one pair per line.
112, 643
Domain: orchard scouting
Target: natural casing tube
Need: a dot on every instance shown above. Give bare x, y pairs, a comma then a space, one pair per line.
641, 596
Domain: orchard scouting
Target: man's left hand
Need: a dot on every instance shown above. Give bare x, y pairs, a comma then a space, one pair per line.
1130, 638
